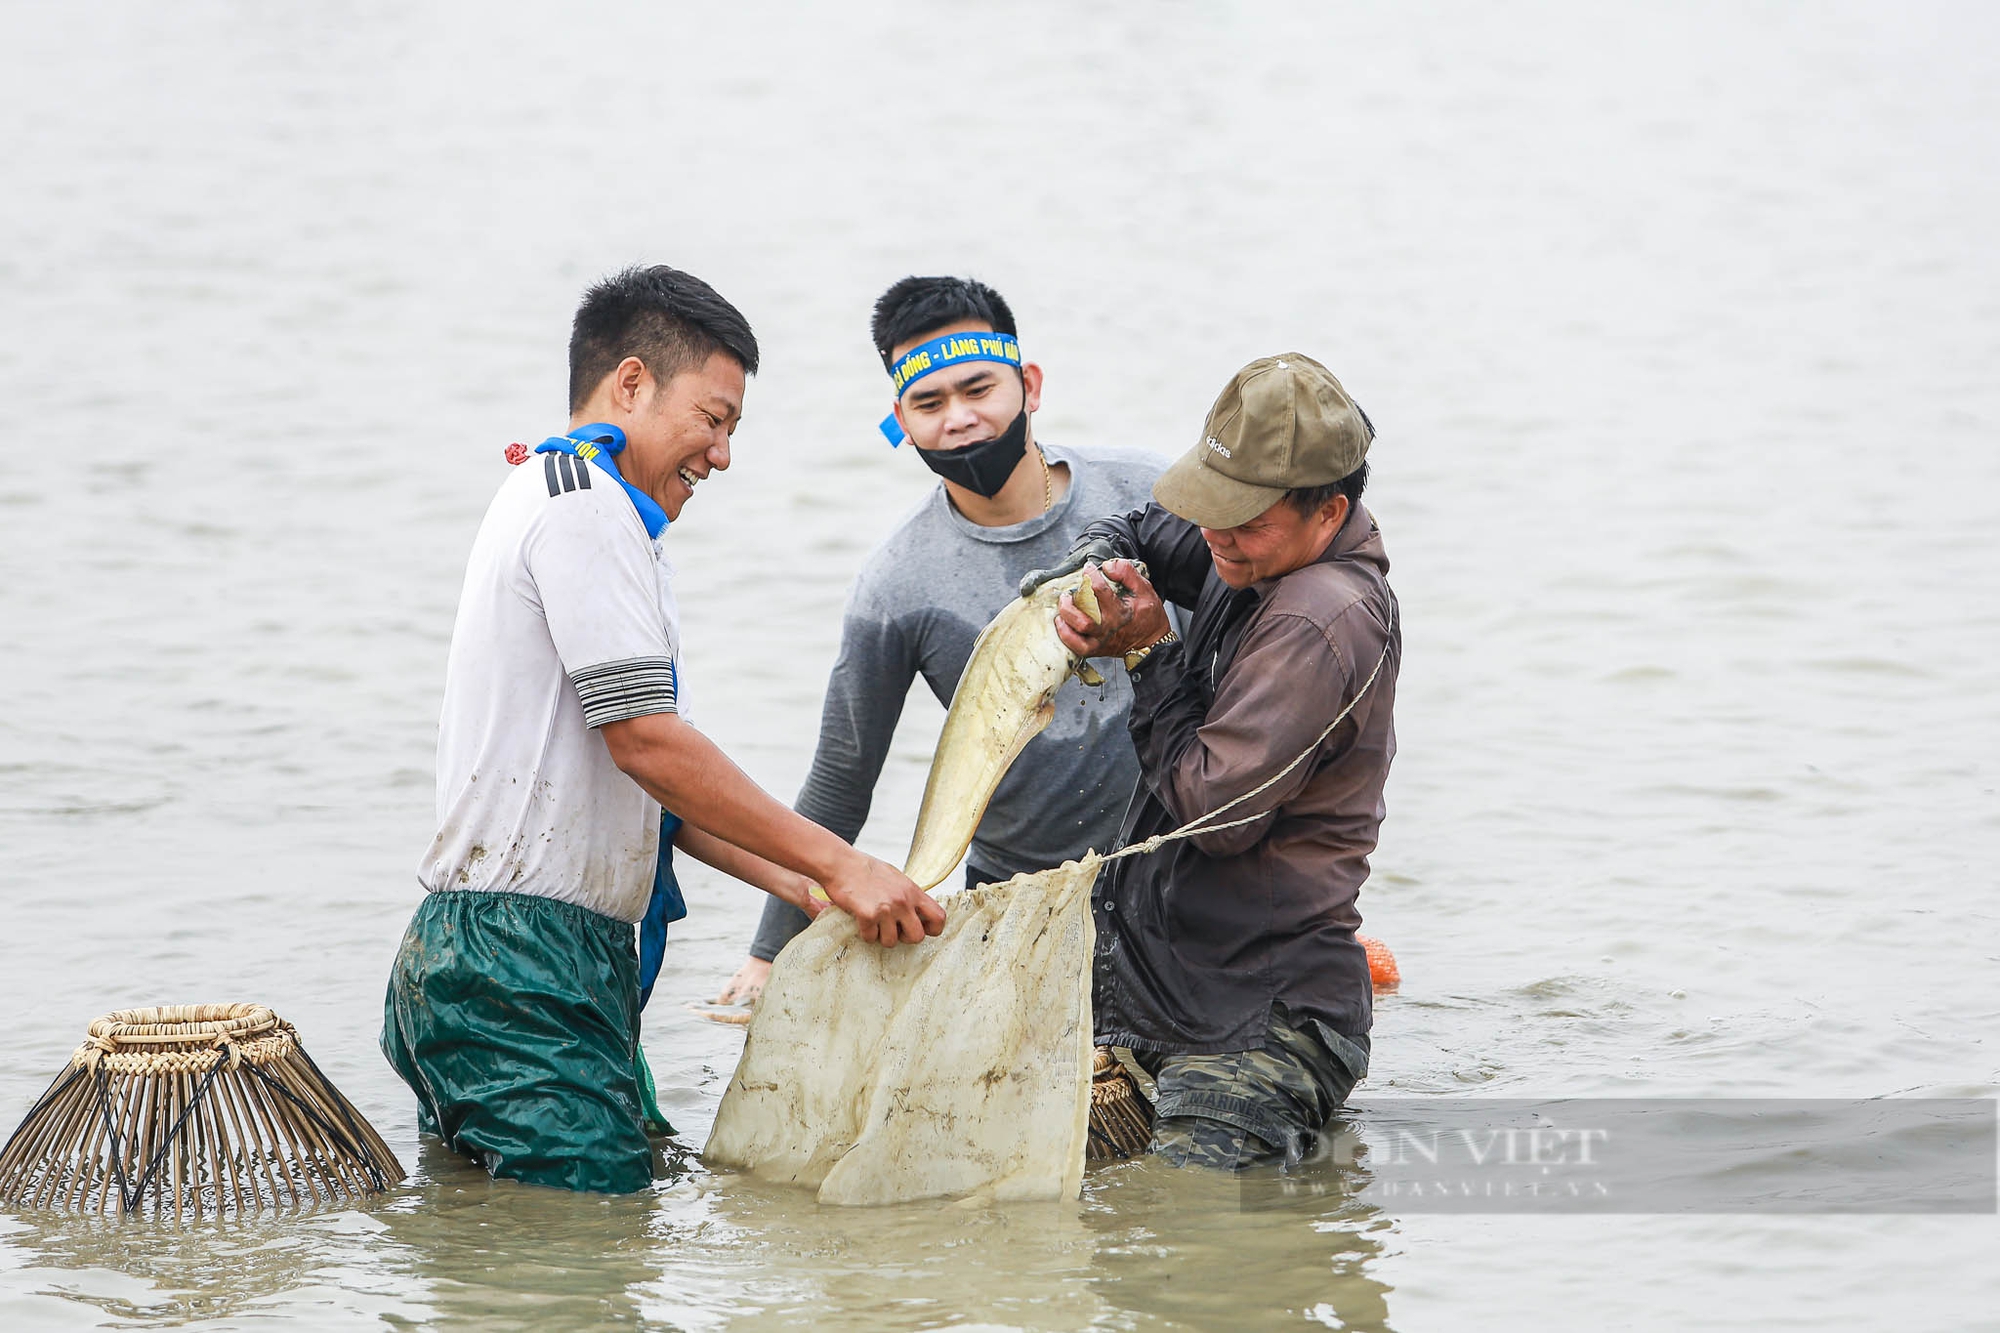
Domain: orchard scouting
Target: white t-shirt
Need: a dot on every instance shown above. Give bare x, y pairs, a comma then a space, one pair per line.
567, 622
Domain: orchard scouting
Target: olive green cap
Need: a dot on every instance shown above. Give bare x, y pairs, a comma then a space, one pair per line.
1282, 422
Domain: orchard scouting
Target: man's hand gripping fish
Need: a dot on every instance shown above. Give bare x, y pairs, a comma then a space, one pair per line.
1005, 697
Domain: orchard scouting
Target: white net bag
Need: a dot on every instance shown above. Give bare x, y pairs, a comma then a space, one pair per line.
961, 1065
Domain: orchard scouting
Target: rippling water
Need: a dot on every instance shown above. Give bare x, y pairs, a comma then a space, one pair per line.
1681, 332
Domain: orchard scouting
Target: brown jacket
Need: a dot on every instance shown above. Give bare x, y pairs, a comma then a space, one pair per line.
1197, 940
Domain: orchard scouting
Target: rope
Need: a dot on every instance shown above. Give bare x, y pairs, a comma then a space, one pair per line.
1194, 827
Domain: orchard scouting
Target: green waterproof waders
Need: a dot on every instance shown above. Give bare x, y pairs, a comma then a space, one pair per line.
515, 1020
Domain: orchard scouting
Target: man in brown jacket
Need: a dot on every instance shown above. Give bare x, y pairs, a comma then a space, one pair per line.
1227, 961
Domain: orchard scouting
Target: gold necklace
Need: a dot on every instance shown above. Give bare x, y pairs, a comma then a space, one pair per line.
1048, 482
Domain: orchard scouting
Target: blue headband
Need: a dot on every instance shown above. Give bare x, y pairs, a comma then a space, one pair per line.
954, 349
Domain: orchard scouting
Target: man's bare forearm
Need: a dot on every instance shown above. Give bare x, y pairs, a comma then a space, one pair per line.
749, 867
685, 772
688, 774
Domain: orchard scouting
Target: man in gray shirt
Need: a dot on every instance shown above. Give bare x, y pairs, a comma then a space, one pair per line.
964, 399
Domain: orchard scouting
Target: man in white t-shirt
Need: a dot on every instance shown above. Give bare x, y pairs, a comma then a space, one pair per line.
512, 1009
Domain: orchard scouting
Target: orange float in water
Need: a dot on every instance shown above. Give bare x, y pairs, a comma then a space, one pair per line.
1381, 963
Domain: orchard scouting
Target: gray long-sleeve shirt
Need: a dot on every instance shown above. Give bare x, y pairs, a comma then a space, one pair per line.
915, 609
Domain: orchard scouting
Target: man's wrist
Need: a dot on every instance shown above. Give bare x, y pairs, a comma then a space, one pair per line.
794, 887
843, 863
1139, 655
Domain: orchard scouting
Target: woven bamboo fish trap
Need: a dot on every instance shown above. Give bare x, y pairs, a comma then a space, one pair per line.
192, 1111
1121, 1119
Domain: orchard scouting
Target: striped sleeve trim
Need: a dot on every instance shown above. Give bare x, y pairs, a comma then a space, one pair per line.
614, 691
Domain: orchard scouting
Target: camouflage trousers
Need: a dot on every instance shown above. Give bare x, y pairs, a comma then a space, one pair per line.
1248, 1108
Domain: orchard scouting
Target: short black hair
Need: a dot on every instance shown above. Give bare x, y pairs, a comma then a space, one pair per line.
672, 321
915, 306
1308, 499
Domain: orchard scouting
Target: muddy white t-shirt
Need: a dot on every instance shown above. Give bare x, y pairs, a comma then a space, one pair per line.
567, 621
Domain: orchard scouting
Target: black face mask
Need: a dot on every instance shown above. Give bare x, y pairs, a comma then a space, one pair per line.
982, 468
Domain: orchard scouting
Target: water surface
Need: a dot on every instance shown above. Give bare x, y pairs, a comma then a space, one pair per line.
1680, 331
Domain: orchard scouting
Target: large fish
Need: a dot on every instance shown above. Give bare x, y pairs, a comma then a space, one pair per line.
1004, 698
